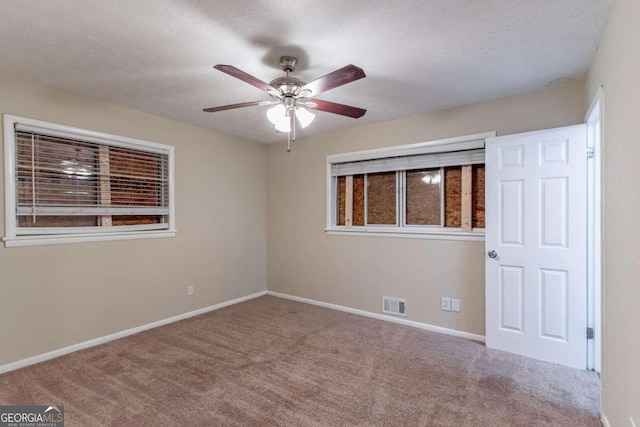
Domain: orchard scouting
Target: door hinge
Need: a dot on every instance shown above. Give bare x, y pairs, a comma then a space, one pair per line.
590, 152
589, 333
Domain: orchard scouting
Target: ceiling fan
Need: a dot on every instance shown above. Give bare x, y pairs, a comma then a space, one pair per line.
292, 97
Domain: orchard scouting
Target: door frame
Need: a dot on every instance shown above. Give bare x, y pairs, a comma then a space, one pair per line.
595, 236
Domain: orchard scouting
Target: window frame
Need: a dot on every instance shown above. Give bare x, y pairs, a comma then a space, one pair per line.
91, 234
401, 229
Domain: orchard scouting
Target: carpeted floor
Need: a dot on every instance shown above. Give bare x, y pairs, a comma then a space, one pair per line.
274, 362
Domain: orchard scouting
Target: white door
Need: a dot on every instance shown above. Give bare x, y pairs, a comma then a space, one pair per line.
536, 245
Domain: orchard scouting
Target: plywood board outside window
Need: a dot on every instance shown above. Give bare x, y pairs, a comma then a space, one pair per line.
381, 198
452, 197
423, 196
477, 191
358, 200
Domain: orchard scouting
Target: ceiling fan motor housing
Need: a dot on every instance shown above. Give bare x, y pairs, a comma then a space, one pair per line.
288, 85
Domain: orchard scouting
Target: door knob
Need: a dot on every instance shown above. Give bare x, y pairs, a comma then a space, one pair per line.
492, 254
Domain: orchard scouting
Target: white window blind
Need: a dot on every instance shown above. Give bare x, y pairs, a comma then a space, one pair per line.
65, 177
64, 181
422, 161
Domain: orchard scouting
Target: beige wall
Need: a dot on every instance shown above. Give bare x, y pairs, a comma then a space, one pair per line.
55, 296
356, 271
617, 67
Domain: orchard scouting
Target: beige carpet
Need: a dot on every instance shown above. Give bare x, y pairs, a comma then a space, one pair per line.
274, 362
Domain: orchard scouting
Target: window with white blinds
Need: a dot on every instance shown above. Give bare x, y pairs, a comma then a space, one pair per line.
68, 184
430, 189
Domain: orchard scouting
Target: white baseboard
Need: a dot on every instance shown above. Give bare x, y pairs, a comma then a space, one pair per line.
97, 341
604, 420
392, 319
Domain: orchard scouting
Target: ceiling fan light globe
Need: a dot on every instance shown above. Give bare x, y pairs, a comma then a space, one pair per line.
305, 117
276, 114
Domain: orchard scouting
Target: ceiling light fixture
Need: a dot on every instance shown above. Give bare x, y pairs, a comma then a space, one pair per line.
293, 97
283, 116
305, 117
278, 116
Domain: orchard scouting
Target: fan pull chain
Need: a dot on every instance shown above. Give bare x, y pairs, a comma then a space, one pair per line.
292, 116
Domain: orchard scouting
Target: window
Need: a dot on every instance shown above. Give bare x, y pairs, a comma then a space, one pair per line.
65, 185
433, 189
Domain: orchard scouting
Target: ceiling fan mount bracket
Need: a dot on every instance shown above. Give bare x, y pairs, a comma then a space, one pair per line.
288, 63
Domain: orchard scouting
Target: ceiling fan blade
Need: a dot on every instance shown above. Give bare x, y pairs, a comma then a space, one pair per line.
248, 78
241, 105
340, 77
335, 108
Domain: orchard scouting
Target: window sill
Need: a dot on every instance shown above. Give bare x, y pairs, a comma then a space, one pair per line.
60, 239
455, 234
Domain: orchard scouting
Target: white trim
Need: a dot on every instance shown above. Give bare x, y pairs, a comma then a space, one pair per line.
105, 339
69, 132
438, 146
410, 234
37, 232
595, 137
332, 210
604, 420
9, 172
412, 323
172, 189
466, 142
404, 163
13, 242
14, 235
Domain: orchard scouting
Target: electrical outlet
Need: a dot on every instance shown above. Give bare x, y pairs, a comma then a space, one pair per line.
190, 290
455, 305
445, 303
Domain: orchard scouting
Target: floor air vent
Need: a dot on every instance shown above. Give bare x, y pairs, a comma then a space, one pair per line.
394, 306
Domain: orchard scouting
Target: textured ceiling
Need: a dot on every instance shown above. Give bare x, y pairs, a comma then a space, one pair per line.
419, 55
